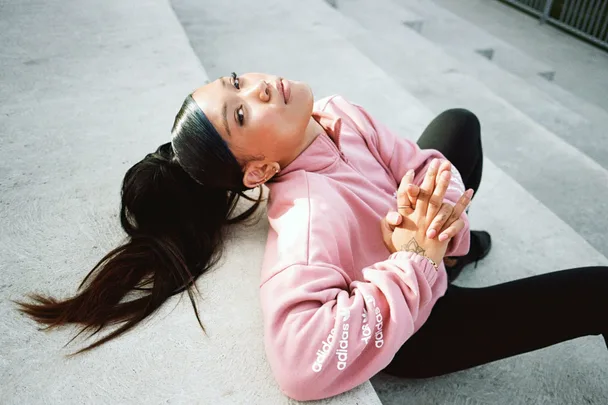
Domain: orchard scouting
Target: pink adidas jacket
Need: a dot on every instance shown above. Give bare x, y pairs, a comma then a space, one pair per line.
336, 305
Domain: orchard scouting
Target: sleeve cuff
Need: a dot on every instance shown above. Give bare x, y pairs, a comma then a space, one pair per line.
422, 264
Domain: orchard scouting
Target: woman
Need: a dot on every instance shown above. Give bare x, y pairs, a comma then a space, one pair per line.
342, 297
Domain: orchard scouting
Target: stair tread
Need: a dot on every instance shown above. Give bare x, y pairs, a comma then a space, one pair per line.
440, 25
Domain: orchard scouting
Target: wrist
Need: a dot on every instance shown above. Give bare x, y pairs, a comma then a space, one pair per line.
414, 247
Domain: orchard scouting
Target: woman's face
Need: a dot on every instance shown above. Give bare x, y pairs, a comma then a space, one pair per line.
264, 117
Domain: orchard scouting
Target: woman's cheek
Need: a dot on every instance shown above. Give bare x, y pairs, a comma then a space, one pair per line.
270, 124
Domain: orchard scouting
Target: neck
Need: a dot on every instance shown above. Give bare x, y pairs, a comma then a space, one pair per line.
313, 129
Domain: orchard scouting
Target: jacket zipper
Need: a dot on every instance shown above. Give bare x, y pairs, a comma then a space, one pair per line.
343, 156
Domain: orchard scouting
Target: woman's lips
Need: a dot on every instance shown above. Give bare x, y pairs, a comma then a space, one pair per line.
286, 89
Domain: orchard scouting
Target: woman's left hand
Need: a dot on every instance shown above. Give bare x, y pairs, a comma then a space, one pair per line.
444, 221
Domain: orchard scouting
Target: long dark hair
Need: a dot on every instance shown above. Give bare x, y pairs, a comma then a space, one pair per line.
176, 205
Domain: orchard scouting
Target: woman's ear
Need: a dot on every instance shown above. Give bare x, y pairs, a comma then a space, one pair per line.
259, 172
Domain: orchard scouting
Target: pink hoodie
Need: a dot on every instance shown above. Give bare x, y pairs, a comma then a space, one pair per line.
336, 305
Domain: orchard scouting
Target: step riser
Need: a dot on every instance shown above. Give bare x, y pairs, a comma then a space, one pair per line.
581, 66
442, 26
459, 38
596, 116
563, 122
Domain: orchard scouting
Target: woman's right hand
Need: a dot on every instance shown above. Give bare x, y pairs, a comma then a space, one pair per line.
411, 234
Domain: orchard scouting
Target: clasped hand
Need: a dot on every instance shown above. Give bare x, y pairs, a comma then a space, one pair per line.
424, 223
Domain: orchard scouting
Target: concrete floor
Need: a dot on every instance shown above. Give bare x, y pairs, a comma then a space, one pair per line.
582, 69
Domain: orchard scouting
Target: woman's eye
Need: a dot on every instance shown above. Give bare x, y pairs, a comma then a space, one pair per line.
236, 81
240, 115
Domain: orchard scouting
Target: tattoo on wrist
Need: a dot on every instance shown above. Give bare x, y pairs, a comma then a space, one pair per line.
413, 246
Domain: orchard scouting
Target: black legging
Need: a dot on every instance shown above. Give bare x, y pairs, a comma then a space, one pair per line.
488, 324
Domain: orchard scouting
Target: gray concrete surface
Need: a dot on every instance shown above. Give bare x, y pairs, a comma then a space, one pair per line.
596, 115
581, 68
87, 89
460, 39
440, 25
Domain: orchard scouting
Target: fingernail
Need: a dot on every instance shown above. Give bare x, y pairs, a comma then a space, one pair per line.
410, 172
431, 233
470, 193
443, 237
393, 217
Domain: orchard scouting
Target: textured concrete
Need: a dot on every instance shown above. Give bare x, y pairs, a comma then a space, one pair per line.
519, 43
595, 115
574, 128
88, 89
513, 141
446, 27
588, 134
581, 67
528, 238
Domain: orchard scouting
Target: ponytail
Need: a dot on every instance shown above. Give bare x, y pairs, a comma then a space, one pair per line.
175, 232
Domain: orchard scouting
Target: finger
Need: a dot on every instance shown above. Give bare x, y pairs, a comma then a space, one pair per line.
452, 230
393, 219
442, 183
387, 235
444, 165
427, 187
439, 221
402, 194
461, 205
413, 191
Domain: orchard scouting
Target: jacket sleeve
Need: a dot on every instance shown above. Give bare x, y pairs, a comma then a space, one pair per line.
325, 335
399, 154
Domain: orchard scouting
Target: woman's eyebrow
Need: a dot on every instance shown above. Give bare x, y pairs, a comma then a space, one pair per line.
225, 118
225, 84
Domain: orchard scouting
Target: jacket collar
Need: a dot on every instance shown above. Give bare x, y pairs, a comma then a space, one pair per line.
324, 149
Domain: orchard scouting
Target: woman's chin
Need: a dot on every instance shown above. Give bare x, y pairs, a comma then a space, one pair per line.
301, 99
306, 96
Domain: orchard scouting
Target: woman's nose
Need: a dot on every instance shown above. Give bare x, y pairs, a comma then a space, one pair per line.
261, 91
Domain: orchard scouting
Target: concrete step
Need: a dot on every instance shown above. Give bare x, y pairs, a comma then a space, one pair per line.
574, 120
572, 127
443, 26
543, 163
581, 67
594, 114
